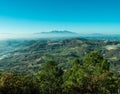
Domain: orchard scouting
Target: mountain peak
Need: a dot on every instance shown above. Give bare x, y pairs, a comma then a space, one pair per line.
59, 32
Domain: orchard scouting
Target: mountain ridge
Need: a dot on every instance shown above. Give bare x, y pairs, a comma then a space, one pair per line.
59, 32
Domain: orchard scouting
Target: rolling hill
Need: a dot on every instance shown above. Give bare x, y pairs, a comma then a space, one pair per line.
27, 56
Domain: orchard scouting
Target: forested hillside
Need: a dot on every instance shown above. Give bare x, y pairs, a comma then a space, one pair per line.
92, 75
27, 56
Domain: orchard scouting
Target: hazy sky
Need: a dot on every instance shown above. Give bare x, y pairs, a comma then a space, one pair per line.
83, 16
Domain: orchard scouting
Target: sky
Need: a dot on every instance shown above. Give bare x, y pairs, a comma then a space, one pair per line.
81, 16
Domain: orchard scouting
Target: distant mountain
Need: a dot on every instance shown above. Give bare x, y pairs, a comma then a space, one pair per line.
59, 32
97, 34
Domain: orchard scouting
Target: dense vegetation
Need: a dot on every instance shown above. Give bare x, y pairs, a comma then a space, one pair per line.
91, 75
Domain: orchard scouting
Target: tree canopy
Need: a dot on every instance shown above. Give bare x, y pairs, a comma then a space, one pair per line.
89, 76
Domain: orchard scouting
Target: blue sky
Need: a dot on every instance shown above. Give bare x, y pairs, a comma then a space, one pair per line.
83, 16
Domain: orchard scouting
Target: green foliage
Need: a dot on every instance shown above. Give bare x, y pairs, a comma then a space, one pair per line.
50, 78
72, 79
10, 84
91, 76
96, 60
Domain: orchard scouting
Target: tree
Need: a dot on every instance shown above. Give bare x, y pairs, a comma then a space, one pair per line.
96, 60
93, 77
11, 84
72, 78
50, 78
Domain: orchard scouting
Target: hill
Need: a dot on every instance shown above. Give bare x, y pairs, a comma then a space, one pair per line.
28, 56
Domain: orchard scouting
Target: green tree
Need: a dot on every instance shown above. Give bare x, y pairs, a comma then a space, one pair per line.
93, 77
11, 84
72, 78
96, 60
50, 78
